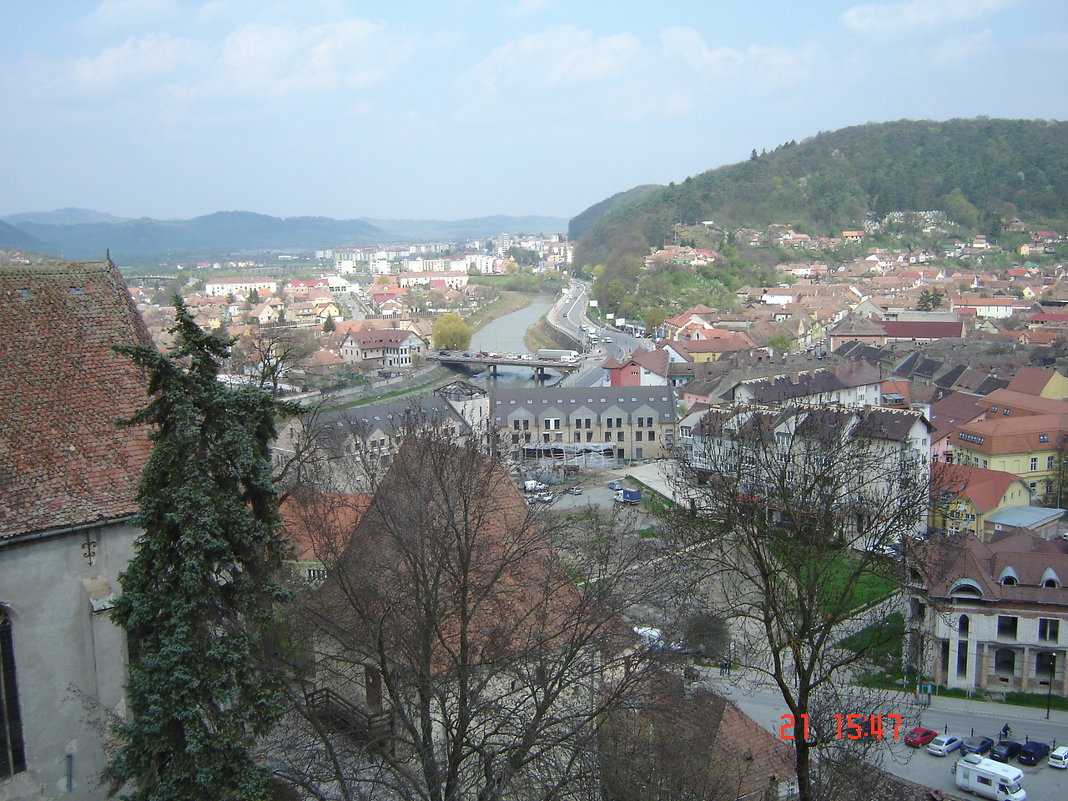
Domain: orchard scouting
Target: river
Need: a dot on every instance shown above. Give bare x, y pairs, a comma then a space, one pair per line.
505, 335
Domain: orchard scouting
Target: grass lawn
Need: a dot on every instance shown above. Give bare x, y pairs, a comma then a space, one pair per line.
870, 587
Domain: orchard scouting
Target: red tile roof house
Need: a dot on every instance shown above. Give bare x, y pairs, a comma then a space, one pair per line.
712, 344
921, 331
996, 613
1040, 382
977, 493
643, 368
387, 347
68, 479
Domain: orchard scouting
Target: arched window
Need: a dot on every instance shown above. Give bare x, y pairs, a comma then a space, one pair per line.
1008, 581
962, 626
12, 752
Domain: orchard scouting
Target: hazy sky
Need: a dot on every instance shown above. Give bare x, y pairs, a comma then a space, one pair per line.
462, 108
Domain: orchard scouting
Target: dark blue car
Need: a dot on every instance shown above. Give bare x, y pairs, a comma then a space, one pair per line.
976, 745
1032, 752
1005, 750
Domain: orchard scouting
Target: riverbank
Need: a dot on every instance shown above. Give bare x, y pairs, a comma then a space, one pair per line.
507, 303
542, 335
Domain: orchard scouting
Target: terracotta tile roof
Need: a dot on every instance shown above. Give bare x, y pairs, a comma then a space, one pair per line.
1031, 380
1025, 552
702, 739
1022, 403
525, 599
715, 340
63, 460
382, 338
922, 330
1003, 435
315, 524
954, 409
984, 489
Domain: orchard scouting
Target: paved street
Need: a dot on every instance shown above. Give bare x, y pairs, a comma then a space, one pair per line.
569, 312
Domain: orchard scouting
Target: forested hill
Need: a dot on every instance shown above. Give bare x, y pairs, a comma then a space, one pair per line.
581, 222
978, 171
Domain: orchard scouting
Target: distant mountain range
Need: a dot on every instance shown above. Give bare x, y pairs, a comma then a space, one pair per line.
978, 171
85, 234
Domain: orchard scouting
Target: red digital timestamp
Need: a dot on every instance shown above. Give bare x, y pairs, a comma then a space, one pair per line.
854, 726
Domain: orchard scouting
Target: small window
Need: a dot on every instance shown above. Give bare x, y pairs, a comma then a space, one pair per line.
1043, 437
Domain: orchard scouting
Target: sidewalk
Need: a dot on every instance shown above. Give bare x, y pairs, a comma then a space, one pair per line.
1007, 711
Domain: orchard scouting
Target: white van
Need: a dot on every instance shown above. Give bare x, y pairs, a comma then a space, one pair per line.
989, 779
1058, 757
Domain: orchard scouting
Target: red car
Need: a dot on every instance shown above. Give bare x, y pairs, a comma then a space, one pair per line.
920, 736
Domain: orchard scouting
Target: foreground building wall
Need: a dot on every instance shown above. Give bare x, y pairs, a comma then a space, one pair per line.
68, 481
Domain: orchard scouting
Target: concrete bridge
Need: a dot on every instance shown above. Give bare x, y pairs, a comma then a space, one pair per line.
538, 366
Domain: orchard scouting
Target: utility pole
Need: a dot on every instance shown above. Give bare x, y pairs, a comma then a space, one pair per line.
1049, 687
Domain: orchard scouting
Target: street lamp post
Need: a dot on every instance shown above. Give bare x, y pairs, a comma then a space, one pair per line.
1049, 687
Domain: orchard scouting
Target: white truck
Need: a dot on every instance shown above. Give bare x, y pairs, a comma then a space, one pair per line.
557, 354
534, 486
989, 779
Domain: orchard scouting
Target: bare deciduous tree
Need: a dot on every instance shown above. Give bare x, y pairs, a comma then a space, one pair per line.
448, 654
798, 516
272, 351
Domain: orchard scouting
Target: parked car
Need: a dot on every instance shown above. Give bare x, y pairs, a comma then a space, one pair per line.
574, 490
919, 736
615, 485
1058, 757
943, 745
1005, 750
1032, 752
976, 745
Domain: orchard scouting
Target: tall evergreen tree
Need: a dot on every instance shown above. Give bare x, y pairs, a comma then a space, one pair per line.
197, 596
